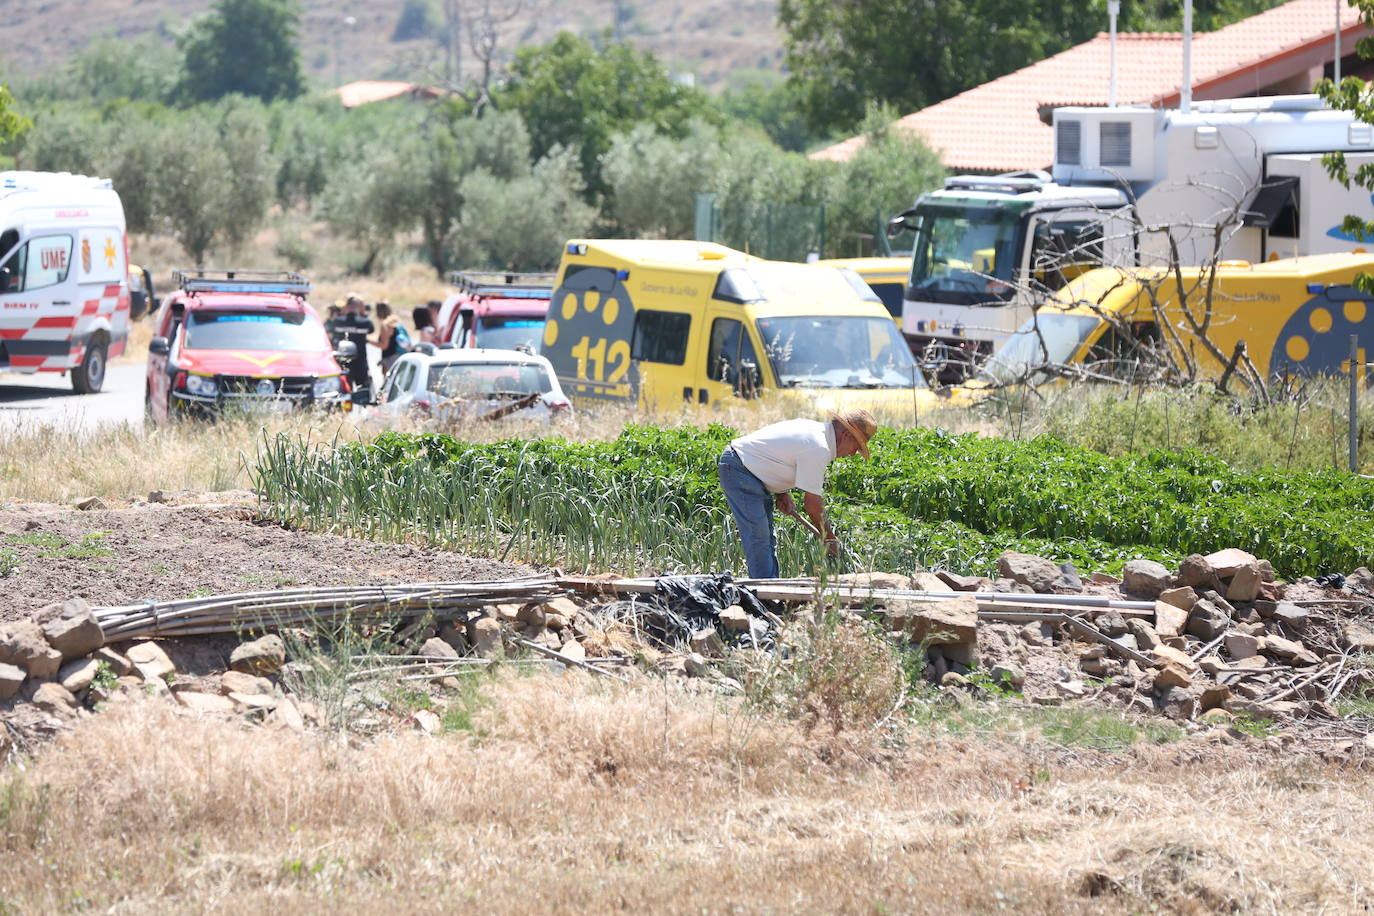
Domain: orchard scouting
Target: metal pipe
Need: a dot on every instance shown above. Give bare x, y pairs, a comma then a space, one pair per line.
1355, 369
1113, 8
1337, 58
1185, 95
1011, 598
1075, 600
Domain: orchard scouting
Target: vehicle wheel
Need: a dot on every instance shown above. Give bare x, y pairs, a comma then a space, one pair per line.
88, 377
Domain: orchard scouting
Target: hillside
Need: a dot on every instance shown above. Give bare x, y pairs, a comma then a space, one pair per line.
709, 38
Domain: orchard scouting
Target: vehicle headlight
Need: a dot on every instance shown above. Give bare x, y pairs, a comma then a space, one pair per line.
326, 386
199, 384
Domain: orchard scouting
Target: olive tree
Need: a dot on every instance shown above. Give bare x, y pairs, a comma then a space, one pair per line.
521, 223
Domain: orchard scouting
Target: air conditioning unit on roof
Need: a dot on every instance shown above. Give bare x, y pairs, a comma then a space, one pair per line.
1106, 145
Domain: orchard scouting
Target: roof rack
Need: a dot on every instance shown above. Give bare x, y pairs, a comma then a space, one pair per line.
234, 280
503, 285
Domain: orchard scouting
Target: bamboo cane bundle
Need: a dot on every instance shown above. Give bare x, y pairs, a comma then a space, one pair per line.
291, 607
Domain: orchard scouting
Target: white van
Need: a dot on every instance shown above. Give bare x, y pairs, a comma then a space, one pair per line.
64, 279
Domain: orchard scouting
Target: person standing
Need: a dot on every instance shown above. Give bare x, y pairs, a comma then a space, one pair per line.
354, 326
423, 317
760, 470
331, 324
388, 337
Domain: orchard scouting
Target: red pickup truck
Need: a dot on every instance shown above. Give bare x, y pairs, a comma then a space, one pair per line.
495, 311
240, 338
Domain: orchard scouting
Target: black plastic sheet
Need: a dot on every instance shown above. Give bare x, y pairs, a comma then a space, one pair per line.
683, 605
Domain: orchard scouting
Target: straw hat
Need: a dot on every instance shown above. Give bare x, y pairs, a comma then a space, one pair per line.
859, 423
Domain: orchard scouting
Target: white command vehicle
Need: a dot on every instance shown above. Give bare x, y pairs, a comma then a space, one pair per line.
64, 278
1236, 179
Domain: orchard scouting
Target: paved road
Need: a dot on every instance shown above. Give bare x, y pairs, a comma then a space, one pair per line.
47, 399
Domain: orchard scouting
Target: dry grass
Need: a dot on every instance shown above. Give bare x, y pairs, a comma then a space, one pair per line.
47, 463
60, 462
571, 796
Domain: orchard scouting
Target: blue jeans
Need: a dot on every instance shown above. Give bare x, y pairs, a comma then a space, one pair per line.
752, 506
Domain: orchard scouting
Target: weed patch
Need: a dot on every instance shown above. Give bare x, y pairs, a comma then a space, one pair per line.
999, 720
52, 545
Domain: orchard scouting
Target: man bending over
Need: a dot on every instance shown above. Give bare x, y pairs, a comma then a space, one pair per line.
760, 470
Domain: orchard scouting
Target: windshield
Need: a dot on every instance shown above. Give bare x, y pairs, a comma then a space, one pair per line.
210, 330
480, 380
498, 333
1057, 340
966, 255
838, 351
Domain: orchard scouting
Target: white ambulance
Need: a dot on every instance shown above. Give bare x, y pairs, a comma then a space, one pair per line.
64, 279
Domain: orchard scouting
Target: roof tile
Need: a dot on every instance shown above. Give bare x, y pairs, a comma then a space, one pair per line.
1149, 71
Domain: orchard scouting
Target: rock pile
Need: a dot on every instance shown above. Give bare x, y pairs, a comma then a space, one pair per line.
1222, 636
56, 667
1216, 637
48, 650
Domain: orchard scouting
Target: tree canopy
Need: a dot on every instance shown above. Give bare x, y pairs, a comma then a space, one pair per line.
571, 93
13, 125
913, 53
244, 47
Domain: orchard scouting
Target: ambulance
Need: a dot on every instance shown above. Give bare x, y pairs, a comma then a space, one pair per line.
1296, 317
664, 323
64, 281
887, 277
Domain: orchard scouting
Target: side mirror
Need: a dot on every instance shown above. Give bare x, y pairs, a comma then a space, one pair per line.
159, 346
900, 223
7, 284
347, 350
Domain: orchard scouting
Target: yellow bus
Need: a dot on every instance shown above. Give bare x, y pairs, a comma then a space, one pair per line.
665, 323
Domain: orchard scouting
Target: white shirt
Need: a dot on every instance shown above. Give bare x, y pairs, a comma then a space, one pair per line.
789, 455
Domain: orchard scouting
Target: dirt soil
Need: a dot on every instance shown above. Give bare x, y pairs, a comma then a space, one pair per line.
198, 544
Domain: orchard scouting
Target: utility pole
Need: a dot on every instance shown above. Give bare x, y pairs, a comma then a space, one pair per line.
349, 22
1337, 71
1113, 10
453, 49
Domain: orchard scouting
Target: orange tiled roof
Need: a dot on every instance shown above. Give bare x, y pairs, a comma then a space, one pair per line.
364, 91
997, 126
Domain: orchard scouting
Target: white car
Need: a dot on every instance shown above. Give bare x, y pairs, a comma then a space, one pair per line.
478, 384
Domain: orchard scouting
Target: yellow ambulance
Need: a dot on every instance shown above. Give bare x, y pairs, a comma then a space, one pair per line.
666, 323
1295, 315
887, 277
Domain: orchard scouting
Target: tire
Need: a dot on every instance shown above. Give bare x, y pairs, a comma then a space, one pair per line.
88, 377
